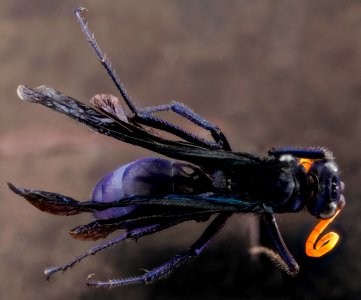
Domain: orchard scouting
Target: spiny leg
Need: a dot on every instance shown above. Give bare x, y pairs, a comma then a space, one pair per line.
142, 115
132, 234
291, 267
155, 122
146, 117
105, 62
282, 258
111, 106
168, 267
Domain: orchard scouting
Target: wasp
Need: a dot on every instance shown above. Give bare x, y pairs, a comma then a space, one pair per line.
201, 179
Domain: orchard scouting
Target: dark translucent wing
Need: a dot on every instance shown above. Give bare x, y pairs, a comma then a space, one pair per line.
211, 202
93, 231
132, 134
61, 205
110, 105
51, 202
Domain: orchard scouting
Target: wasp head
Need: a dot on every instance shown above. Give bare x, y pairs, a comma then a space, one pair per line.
325, 189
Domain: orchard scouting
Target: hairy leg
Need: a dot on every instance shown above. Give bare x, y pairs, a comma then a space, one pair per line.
133, 234
145, 116
164, 270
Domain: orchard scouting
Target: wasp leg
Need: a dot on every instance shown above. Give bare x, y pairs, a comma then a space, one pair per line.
133, 234
168, 267
282, 258
143, 116
146, 117
104, 61
154, 122
307, 152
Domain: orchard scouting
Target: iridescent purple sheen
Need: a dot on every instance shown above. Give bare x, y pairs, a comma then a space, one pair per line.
110, 189
148, 176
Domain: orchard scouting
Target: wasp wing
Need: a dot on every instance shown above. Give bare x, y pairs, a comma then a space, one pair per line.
132, 133
53, 203
102, 228
62, 205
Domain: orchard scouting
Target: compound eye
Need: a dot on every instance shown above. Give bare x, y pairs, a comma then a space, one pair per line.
335, 190
329, 211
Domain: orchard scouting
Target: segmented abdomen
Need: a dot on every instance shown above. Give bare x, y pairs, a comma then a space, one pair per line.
148, 176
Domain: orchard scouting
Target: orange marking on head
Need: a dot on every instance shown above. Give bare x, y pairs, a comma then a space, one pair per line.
306, 163
325, 243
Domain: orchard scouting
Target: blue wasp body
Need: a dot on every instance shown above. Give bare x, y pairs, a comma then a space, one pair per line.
200, 179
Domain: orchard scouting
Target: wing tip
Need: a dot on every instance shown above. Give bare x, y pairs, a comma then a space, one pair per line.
16, 190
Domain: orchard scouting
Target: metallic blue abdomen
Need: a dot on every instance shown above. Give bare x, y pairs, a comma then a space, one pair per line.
148, 176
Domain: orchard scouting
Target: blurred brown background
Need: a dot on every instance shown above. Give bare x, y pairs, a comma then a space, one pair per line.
269, 73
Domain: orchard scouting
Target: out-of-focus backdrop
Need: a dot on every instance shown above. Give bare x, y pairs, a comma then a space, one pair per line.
269, 73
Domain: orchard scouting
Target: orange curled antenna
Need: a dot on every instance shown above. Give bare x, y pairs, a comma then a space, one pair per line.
326, 243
